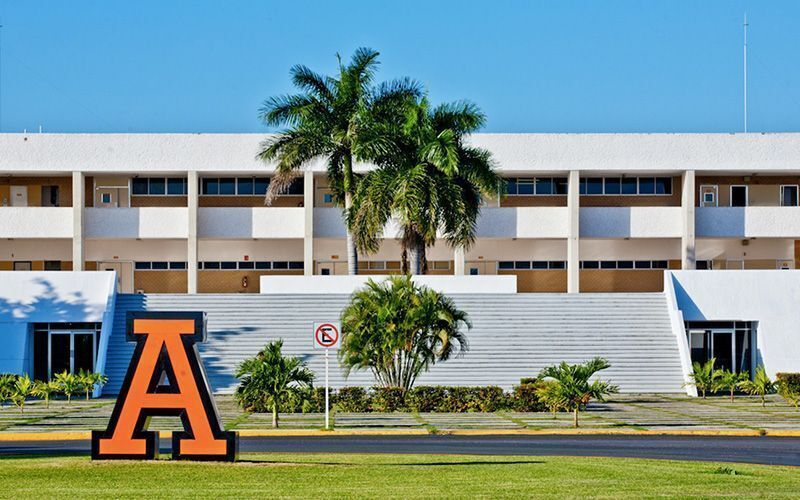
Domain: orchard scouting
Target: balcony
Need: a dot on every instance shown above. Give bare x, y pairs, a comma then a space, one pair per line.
150, 222
247, 222
747, 222
36, 222
631, 222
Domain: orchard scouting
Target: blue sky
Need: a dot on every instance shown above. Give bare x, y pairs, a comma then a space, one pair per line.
557, 66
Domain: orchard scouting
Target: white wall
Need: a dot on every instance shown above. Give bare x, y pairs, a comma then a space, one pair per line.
142, 250
145, 222
36, 222
769, 297
36, 249
277, 249
732, 249
638, 249
41, 296
303, 285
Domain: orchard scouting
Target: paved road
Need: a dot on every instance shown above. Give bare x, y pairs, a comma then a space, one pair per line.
762, 450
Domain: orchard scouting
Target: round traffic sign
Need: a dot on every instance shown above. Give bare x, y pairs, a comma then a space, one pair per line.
326, 335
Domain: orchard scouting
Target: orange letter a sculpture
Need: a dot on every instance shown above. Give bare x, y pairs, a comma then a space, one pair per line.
165, 344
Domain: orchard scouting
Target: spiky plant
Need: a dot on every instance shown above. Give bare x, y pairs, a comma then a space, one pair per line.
397, 330
761, 385
340, 120
270, 378
89, 380
68, 384
573, 387
434, 187
703, 376
45, 390
23, 387
7, 381
550, 394
727, 380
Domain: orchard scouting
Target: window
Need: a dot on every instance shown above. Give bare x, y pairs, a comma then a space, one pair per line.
142, 266
608, 264
156, 186
473, 271
594, 185
788, 196
647, 185
227, 186
642, 264
522, 264
210, 186
52, 265
664, 185
244, 185
503, 265
280, 265
260, 185
247, 265
159, 266
590, 264
630, 185
227, 265
177, 265
327, 198
511, 186
139, 186
525, 186
544, 186
613, 185
738, 196
561, 185
263, 265
105, 198
176, 186
539, 186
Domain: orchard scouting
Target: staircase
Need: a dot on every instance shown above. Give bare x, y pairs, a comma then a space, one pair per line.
513, 336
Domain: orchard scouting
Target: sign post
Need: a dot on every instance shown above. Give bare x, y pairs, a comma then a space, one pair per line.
326, 336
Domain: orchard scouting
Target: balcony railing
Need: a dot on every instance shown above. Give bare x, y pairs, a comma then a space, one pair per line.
747, 222
149, 222
631, 222
259, 222
36, 222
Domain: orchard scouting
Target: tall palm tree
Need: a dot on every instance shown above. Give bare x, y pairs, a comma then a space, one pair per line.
434, 187
340, 120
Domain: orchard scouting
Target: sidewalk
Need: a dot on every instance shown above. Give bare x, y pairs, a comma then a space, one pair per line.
625, 413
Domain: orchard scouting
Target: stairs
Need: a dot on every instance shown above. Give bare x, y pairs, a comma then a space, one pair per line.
513, 336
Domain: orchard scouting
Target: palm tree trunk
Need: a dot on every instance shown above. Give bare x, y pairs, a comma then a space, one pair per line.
349, 189
731, 395
275, 415
575, 417
417, 255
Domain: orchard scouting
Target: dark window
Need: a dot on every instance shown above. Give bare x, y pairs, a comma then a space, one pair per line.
522, 264
608, 264
280, 265
227, 185
561, 185
158, 185
227, 265
594, 185
642, 264
511, 186
177, 265
505, 265
558, 264
525, 186
613, 185
296, 187
625, 264
629, 185
702, 264
660, 264
52, 265
210, 186
591, 264
544, 186
296, 265
663, 185
647, 185
211, 265
160, 265
738, 196
140, 266
139, 186
247, 265
539, 264
263, 265
582, 186
325, 272
244, 185
176, 186
473, 271
260, 185
788, 196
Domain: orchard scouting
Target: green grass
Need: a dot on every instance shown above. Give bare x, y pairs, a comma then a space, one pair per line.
396, 476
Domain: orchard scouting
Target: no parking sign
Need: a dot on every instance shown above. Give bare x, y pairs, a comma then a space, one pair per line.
326, 335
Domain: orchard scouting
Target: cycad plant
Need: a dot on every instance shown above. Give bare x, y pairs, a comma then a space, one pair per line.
761, 385
397, 330
22, 390
728, 380
270, 378
573, 387
703, 376
68, 384
340, 120
45, 390
434, 187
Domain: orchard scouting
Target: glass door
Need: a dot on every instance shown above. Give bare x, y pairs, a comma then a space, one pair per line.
723, 348
71, 351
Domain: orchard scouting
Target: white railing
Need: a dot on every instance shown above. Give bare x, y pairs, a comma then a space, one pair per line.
145, 222
251, 222
631, 222
35, 222
747, 222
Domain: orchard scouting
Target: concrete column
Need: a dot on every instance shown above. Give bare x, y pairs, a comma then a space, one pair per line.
78, 202
308, 234
573, 232
192, 191
459, 259
687, 212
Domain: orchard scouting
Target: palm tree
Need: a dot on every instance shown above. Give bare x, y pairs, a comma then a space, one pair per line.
7, 381
573, 386
397, 330
435, 185
703, 376
89, 380
271, 377
729, 381
45, 389
68, 383
761, 385
339, 119
22, 391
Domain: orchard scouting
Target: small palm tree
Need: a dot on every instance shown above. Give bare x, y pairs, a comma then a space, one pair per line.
270, 377
22, 391
89, 380
45, 389
573, 387
703, 376
68, 384
7, 381
728, 380
549, 393
761, 385
397, 330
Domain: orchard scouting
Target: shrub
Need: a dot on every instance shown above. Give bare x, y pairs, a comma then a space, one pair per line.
352, 400
551, 397
7, 381
761, 385
68, 384
22, 391
528, 380
388, 399
45, 390
525, 396
789, 387
426, 398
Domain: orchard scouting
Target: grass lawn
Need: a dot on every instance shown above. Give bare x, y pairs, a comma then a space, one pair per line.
408, 476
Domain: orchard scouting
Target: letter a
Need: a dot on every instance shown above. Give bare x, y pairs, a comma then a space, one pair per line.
165, 348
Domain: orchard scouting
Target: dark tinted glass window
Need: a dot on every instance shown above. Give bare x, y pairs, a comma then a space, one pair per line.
160, 265
544, 186
561, 185
280, 265
142, 266
629, 185
522, 264
647, 185
505, 265
582, 189
701, 264
177, 265
608, 264
660, 264
227, 265
158, 185
642, 264
261, 184
227, 185
525, 186
296, 265
594, 185
263, 265
139, 186
613, 185
211, 265
296, 187
247, 265
558, 264
539, 264
245, 185
511, 186
210, 186
176, 186
591, 264
625, 264
663, 185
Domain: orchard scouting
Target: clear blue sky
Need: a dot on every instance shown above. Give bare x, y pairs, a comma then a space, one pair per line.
556, 66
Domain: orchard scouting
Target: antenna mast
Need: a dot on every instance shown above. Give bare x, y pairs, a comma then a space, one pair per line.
745, 73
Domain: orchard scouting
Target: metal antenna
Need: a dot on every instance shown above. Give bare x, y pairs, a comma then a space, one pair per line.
745, 73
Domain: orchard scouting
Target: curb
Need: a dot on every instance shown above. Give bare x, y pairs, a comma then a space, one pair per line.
85, 435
